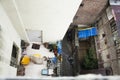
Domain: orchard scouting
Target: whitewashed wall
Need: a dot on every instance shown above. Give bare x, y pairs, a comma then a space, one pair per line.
8, 35
14, 16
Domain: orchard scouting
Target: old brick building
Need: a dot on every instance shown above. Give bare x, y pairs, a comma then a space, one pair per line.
107, 41
104, 15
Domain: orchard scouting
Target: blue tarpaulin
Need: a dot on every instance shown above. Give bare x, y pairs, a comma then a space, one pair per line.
54, 60
87, 32
59, 49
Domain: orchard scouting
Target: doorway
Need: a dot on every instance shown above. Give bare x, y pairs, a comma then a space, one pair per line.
14, 56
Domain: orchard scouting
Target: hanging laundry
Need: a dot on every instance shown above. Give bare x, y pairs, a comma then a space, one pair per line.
54, 60
59, 45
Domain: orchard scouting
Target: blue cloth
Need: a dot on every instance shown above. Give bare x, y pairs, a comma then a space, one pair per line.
87, 33
93, 31
59, 45
59, 49
54, 60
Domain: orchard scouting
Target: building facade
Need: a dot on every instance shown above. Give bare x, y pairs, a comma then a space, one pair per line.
10, 40
107, 42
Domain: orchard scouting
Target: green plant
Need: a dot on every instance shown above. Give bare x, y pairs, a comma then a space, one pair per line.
90, 61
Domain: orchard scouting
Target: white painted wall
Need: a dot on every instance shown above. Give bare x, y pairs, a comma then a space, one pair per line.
11, 9
8, 35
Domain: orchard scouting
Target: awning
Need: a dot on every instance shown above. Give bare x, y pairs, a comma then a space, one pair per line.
85, 33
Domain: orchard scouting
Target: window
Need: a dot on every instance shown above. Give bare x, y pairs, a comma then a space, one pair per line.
113, 25
108, 56
118, 51
114, 32
105, 41
14, 56
35, 46
103, 35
